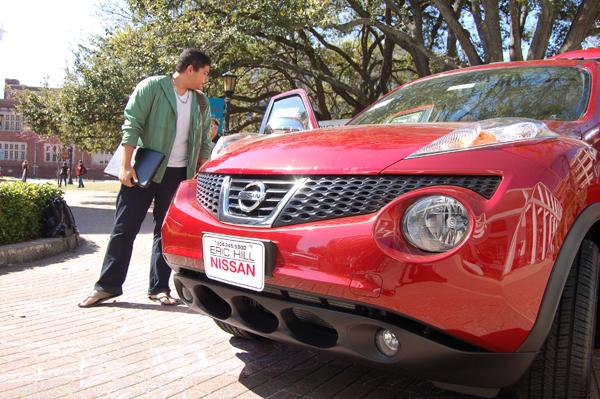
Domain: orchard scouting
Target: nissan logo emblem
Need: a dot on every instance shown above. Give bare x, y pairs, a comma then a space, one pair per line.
252, 196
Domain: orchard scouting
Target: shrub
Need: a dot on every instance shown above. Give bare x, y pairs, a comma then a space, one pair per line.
21, 210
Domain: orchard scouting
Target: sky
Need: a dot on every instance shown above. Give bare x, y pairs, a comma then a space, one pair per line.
39, 37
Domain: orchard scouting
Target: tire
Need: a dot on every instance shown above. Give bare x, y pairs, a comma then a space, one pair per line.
237, 332
563, 367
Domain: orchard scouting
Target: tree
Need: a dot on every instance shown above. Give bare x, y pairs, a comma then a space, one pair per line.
345, 53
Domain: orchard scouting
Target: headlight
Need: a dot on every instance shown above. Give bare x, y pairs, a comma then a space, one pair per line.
485, 133
436, 224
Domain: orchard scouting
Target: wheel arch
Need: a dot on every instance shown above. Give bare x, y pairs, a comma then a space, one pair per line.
587, 224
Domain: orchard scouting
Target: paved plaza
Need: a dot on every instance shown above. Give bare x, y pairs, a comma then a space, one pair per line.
132, 347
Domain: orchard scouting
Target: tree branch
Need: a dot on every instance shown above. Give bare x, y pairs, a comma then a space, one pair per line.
543, 30
461, 33
587, 15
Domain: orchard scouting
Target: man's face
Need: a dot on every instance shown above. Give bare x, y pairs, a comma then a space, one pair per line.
197, 79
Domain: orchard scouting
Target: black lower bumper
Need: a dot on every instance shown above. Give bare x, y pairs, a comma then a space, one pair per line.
350, 335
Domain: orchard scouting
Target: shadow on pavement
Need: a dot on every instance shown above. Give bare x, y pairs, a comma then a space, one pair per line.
146, 306
100, 220
273, 368
86, 247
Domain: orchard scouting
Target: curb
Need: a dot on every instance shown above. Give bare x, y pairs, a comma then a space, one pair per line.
22, 252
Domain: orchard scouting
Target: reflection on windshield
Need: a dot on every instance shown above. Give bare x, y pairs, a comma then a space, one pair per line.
543, 93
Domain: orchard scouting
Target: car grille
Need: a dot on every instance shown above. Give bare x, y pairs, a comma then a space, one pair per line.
325, 197
276, 189
208, 191
339, 196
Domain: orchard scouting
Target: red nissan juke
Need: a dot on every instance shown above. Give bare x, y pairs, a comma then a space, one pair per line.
451, 229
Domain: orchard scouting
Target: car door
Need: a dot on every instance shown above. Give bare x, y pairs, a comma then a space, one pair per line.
288, 112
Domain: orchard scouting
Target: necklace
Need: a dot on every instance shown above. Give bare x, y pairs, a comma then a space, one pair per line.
183, 99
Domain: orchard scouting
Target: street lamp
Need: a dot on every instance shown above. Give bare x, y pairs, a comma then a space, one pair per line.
229, 80
70, 152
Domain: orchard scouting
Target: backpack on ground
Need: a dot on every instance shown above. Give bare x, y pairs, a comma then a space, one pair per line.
58, 219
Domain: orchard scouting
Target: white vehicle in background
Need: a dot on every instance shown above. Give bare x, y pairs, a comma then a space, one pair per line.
286, 113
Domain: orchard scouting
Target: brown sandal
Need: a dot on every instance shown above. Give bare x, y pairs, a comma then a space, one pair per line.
164, 298
96, 298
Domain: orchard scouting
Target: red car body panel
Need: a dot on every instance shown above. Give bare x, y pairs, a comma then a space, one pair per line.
488, 290
326, 151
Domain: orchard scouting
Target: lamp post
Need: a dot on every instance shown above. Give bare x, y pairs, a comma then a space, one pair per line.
229, 80
70, 150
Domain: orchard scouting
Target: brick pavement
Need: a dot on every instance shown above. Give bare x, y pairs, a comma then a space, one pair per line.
134, 348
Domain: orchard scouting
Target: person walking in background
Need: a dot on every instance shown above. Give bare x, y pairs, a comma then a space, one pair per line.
80, 171
63, 173
167, 114
25, 166
214, 130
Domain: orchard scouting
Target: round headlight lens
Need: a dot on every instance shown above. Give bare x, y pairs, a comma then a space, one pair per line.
436, 224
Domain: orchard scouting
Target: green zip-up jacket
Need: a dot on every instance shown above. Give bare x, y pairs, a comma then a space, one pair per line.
151, 122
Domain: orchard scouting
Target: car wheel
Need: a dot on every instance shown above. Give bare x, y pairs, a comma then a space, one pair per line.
238, 332
563, 367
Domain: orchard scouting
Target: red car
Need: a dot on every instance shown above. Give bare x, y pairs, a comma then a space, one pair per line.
450, 230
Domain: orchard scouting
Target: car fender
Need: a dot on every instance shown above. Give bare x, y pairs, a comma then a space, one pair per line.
558, 277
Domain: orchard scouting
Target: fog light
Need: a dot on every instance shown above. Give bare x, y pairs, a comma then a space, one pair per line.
187, 295
387, 342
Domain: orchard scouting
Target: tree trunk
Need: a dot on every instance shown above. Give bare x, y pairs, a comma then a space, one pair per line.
491, 26
587, 15
461, 33
543, 30
451, 45
416, 29
514, 47
321, 101
388, 58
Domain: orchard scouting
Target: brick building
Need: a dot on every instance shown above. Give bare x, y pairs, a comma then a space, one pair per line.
45, 155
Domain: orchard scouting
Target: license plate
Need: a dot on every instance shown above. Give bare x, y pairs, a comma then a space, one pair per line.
235, 261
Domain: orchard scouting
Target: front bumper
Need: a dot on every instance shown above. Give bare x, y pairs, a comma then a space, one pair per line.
349, 330
468, 294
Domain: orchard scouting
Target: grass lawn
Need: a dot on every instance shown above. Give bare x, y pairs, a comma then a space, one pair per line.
112, 186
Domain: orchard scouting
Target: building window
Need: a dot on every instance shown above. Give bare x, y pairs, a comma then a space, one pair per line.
11, 151
11, 122
102, 157
52, 152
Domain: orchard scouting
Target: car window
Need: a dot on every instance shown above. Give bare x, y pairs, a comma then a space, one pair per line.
544, 93
287, 115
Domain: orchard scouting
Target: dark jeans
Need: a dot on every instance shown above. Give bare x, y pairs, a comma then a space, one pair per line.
132, 206
62, 178
80, 177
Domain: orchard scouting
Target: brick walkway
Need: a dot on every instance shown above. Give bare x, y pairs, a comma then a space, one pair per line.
130, 348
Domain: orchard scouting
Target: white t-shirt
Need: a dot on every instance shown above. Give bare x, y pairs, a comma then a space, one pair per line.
179, 152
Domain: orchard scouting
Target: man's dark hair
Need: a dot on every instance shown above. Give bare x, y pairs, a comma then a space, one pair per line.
194, 57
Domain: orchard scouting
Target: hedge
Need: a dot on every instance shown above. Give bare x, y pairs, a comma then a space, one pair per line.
22, 208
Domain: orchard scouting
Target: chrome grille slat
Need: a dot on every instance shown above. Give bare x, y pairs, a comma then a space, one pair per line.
266, 181
275, 193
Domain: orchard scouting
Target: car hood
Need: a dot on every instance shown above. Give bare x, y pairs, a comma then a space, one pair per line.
363, 149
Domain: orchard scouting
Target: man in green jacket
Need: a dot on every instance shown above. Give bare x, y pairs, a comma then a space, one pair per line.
168, 114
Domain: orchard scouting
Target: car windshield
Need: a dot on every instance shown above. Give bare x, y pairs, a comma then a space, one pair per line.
544, 93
